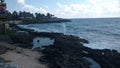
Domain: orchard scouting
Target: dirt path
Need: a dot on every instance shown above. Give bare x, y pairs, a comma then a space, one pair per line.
25, 58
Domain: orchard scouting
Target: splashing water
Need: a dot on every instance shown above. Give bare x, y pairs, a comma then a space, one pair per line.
64, 28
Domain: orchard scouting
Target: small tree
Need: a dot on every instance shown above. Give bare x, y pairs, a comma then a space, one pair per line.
49, 15
15, 16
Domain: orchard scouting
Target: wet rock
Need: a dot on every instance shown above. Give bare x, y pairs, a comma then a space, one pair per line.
84, 41
68, 52
65, 53
106, 58
5, 65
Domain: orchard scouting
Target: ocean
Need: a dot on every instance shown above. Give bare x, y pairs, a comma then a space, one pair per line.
102, 33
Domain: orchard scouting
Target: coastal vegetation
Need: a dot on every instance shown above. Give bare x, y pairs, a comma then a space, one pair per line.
28, 18
27, 15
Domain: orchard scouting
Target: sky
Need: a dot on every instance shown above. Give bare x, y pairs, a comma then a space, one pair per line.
68, 8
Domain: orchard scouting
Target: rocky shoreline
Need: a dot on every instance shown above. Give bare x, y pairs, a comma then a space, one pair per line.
68, 51
54, 20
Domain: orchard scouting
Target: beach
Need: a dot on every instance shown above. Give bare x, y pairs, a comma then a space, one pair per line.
23, 58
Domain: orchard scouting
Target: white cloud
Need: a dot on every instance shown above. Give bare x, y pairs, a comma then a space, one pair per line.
94, 8
21, 1
31, 8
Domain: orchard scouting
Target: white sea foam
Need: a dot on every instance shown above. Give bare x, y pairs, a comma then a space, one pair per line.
56, 28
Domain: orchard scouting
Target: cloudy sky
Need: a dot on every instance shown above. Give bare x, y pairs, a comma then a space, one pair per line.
68, 8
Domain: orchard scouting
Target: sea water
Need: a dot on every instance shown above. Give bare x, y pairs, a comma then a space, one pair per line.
100, 32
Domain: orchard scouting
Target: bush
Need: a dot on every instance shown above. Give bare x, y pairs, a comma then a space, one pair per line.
32, 21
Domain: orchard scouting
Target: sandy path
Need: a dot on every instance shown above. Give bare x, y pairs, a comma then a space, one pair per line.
25, 59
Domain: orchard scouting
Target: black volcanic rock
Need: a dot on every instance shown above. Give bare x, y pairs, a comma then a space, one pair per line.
55, 20
106, 58
22, 38
65, 53
26, 38
68, 51
2, 49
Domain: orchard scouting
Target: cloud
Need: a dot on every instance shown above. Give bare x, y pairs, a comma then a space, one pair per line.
93, 8
21, 1
34, 9
31, 8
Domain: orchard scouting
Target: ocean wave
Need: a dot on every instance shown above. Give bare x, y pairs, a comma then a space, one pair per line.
102, 33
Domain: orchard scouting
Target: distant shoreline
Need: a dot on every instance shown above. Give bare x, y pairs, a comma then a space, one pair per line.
56, 20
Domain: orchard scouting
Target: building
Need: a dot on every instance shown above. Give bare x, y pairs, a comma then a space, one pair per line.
26, 15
